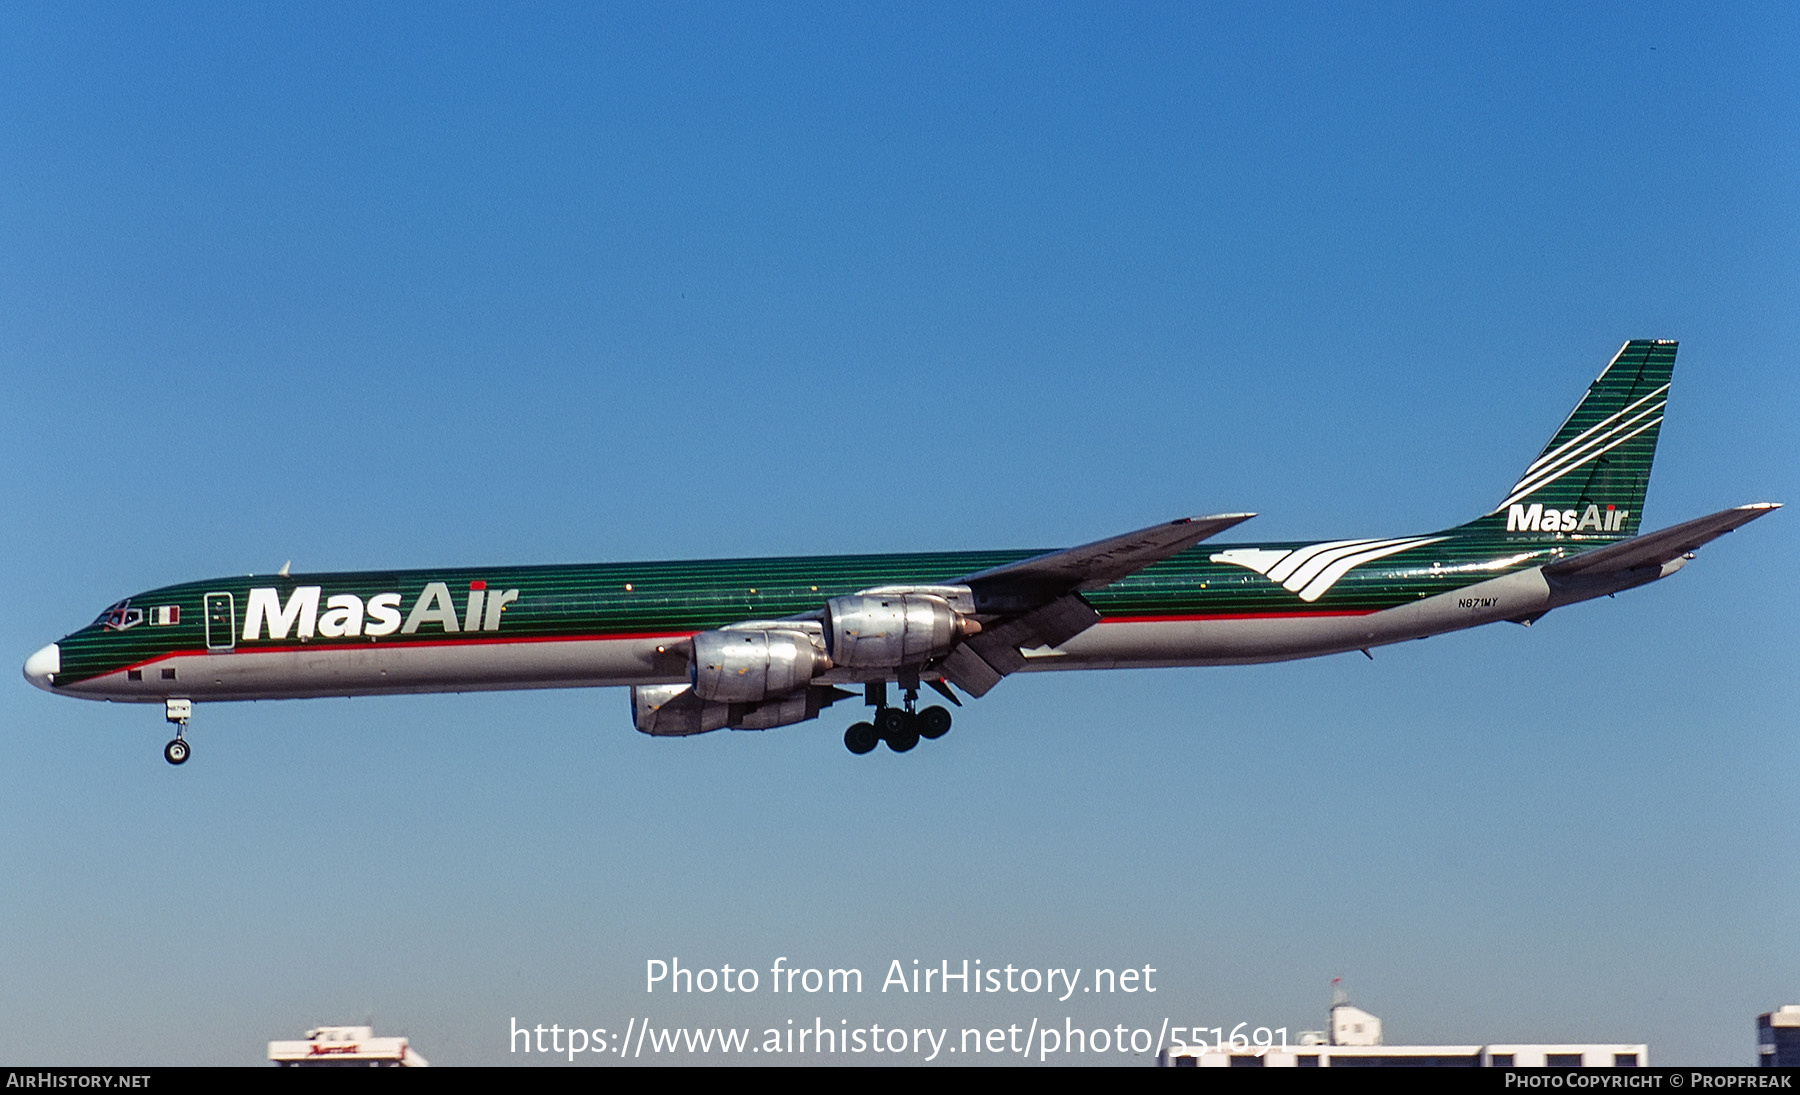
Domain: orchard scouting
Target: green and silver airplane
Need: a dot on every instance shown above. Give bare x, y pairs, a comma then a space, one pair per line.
752, 644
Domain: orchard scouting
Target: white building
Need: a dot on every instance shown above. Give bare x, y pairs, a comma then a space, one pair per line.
1778, 1037
1353, 1040
1352, 1026
342, 1047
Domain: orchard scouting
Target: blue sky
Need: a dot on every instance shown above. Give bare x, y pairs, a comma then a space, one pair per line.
446, 285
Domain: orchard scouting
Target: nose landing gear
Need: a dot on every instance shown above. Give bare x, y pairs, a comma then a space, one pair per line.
177, 712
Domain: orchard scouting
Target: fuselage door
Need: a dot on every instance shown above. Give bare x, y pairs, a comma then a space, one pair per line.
221, 622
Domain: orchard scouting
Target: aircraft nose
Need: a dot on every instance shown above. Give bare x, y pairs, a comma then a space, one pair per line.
42, 667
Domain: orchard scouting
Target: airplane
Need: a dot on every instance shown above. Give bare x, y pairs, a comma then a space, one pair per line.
753, 644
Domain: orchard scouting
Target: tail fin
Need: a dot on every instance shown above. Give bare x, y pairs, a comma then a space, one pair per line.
1591, 478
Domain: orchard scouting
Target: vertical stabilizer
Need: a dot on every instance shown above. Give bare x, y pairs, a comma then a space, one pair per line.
1591, 478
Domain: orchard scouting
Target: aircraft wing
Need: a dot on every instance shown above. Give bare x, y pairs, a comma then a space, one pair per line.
1657, 548
1103, 562
1036, 602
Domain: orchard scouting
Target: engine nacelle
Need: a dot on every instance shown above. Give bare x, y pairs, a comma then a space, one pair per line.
802, 705
751, 665
673, 710
873, 631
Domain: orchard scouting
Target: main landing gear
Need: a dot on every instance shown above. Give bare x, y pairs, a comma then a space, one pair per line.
900, 727
177, 712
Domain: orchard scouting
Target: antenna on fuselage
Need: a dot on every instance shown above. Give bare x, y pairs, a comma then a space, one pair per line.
283, 572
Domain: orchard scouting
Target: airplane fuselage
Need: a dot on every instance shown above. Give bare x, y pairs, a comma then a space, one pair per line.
372, 633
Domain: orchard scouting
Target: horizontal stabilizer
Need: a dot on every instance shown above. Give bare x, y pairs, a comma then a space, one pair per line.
1657, 548
1103, 562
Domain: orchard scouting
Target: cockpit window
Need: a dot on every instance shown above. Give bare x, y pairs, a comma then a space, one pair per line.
120, 616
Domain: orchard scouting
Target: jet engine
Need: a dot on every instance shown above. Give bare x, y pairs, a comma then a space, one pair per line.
751, 665
674, 710
884, 631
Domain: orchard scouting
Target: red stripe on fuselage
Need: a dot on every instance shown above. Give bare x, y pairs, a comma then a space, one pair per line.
407, 645
1189, 617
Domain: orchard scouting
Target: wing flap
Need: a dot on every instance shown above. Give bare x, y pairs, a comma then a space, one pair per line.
978, 663
1051, 625
1657, 548
1041, 595
966, 670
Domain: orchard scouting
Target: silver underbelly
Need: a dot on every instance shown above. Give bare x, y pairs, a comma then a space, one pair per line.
1153, 644
375, 670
